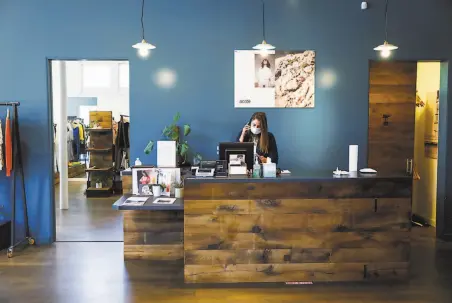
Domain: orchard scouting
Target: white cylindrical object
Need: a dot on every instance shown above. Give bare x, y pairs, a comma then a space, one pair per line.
156, 190
353, 158
62, 136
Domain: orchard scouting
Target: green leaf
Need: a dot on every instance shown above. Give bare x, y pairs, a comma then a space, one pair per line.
165, 131
183, 149
149, 147
187, 129
176, 117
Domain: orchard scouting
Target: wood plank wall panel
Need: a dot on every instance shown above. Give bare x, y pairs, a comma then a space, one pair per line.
281, 240
153, 235
126, 184
316, 189
392, 93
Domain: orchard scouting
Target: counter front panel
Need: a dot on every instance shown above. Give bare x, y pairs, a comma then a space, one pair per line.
300, 231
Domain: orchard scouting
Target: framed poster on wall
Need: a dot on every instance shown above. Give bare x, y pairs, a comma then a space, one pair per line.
274, 79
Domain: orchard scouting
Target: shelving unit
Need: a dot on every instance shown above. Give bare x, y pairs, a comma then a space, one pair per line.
100, 154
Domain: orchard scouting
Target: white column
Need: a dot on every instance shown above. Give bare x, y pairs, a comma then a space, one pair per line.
62, 136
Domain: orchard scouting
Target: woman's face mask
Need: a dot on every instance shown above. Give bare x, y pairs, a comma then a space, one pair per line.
255, 127
255, 130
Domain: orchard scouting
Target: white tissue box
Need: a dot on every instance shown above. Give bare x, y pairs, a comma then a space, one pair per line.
269, 170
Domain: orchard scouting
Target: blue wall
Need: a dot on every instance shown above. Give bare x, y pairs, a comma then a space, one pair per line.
74, 103
196, 38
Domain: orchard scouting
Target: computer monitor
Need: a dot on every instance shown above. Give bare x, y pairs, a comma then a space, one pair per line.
237, 148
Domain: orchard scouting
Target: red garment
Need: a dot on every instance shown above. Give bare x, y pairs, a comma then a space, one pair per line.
8, 146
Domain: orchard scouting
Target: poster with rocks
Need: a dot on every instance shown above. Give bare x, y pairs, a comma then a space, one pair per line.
274, 79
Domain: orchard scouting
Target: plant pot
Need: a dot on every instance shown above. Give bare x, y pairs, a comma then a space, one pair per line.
156, 190
99, 185
179, 192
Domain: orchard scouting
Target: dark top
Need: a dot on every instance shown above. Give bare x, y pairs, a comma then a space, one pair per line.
272, 147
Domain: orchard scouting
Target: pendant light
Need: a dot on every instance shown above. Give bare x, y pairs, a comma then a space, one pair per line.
143, 47
386, 47
264, 46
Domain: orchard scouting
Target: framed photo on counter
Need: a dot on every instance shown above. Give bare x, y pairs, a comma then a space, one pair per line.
144, 177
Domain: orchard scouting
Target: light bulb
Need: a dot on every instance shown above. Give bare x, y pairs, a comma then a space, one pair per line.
143, 52
386, 53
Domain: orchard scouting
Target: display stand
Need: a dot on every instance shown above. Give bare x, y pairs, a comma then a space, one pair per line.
100, 148
17, 166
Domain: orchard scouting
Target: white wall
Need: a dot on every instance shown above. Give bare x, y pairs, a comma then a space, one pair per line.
112, 98
424, 190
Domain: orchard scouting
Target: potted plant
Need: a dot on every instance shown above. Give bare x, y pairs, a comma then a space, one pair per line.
173, 132
179, 189
98, 182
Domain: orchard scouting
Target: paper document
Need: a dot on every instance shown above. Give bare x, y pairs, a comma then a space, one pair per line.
164, 200
135, 201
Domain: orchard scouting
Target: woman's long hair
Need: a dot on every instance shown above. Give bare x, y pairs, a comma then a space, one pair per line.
268, 64
263, 140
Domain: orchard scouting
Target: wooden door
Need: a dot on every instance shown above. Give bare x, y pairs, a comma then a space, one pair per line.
392, 105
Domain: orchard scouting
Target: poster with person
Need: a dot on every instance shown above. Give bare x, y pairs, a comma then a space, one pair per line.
274, 79
143, 178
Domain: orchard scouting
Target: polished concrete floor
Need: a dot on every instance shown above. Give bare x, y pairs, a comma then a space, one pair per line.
95, 272
87, 219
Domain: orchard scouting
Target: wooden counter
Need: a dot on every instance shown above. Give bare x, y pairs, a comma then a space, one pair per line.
152, 232
297, 229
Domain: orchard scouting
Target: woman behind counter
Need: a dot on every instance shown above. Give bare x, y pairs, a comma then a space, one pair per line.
256, 131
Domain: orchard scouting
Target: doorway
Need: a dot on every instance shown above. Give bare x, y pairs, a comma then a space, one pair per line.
403, 136
89, 88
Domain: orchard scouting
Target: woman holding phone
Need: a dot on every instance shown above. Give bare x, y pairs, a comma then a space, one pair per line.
256, 131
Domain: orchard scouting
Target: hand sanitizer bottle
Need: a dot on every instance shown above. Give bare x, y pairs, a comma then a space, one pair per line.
138, 162
256, 168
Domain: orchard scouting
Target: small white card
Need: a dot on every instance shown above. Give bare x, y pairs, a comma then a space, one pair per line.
164, 200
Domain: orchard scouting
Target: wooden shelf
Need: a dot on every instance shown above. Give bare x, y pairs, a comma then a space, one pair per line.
107, 169
99, 189
99, 149
98, 129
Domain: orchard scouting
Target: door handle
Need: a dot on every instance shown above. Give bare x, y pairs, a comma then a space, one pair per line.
409, 166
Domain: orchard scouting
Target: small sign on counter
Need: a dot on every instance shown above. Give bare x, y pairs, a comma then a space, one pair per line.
164, 201
135, 201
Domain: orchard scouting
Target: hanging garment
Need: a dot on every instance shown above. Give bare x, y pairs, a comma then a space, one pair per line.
76, 143
1, 145
81, 133
8, 146
123, 135
70, 138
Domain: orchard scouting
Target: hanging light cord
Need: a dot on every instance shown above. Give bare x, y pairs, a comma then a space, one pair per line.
386, 20
142, 24
263, 18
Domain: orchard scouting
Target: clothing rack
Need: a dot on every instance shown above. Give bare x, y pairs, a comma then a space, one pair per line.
17, 164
